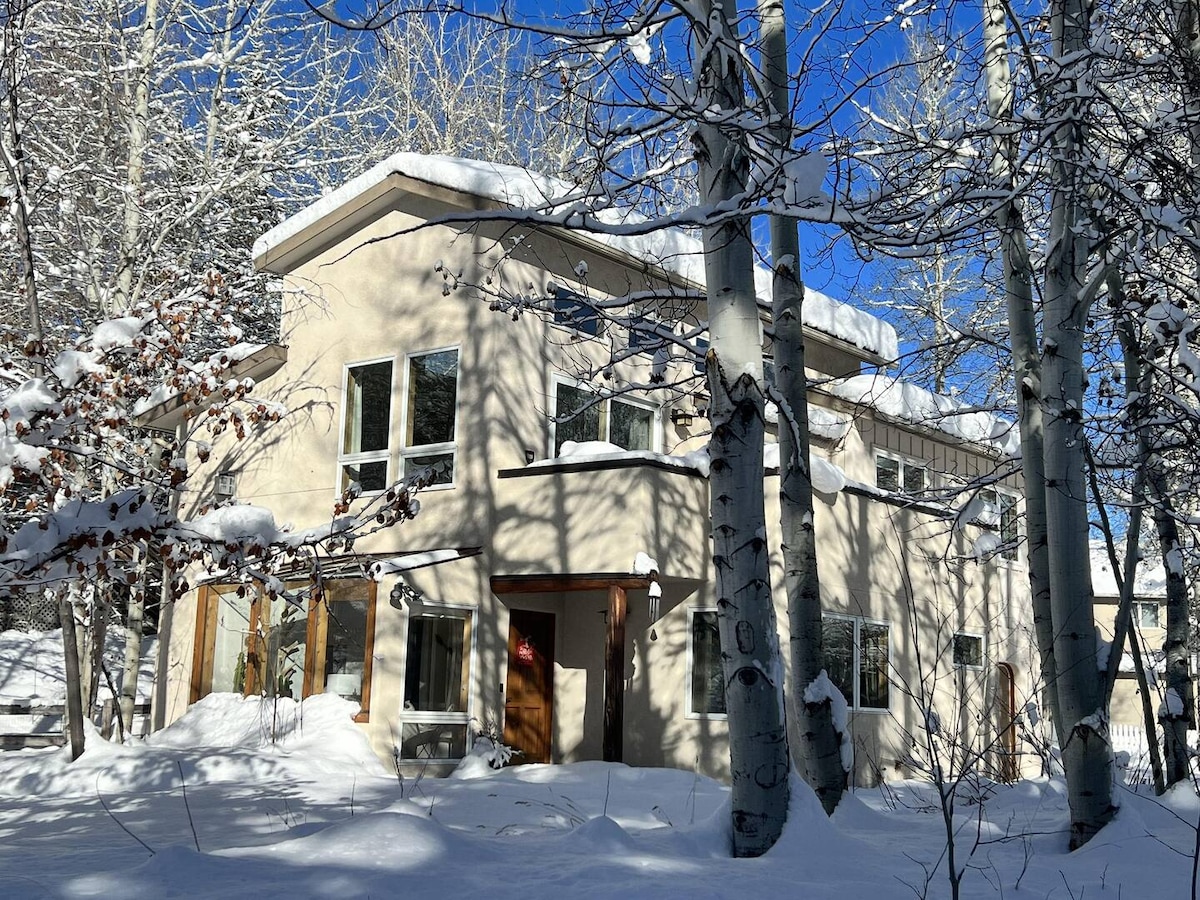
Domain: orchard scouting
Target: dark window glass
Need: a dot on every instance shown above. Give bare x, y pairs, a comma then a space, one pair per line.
432, 394
435, 670
887, 473
442, 465
371, 476
873, 666
630, 427
968, 650
571, 310
578, 416
708, 679
838, 637
368, 408
914, 479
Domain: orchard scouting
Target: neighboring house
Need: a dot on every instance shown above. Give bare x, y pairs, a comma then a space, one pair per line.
524, 599
1149, 623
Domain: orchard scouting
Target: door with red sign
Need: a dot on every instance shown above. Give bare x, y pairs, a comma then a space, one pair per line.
529, 688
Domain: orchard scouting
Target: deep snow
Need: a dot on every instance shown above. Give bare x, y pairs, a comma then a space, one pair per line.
287, 801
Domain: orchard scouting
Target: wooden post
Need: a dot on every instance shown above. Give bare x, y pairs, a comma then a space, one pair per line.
614, 675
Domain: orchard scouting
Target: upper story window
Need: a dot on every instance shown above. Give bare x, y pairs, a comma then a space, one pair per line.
367, 411
643, 333
856, 660
430, 411
900, 475
1000, 514
1146, 613
574, 312
582, 416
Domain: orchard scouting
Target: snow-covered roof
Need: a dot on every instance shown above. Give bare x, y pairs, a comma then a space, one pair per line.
911, 403
1151, 578
672, 249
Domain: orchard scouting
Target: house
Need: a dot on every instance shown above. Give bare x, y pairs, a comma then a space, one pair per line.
1149, 624
556, 587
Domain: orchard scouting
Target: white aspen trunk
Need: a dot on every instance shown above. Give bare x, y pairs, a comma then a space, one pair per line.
759, 763
135, 162
133, 647
1179, 712
1179, 676
18, 172
1086, 753
1018, 283
821, 741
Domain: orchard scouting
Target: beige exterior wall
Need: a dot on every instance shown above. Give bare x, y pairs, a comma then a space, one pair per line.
1127, 701
879, 560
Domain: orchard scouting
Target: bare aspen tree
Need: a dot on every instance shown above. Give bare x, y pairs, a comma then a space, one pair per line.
759, 761
820, 752
1084, 737
1023, 337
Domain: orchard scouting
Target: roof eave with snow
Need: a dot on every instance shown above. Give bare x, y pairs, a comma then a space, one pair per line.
379, 190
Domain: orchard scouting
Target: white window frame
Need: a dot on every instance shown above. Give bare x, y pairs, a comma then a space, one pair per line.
982, 650
856, 641
1138, 605
450, 447
411, 716
691, 659
904, 462
996, 525
385, 456
604, 401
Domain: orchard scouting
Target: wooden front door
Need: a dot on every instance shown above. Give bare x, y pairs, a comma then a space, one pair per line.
1006, 723
529, 687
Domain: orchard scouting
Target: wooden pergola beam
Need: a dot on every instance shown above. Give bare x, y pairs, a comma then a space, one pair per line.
553, 584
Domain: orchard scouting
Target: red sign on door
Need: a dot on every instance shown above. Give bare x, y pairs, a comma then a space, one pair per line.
525, 652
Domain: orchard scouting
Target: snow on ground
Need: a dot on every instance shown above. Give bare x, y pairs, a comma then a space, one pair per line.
243, 798
32, 667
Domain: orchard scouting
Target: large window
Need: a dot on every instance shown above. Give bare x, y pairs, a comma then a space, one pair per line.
366, 425
430, 411
706, 678
437, 681
1000, 514
251, 643
856, 660
898, 475
582, 416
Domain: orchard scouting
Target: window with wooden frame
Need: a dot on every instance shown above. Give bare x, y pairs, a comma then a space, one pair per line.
252, 644
437, 683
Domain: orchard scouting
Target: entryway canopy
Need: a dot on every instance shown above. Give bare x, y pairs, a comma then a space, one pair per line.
615, 584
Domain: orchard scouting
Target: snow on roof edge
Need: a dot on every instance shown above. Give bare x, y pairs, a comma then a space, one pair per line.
672, 249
